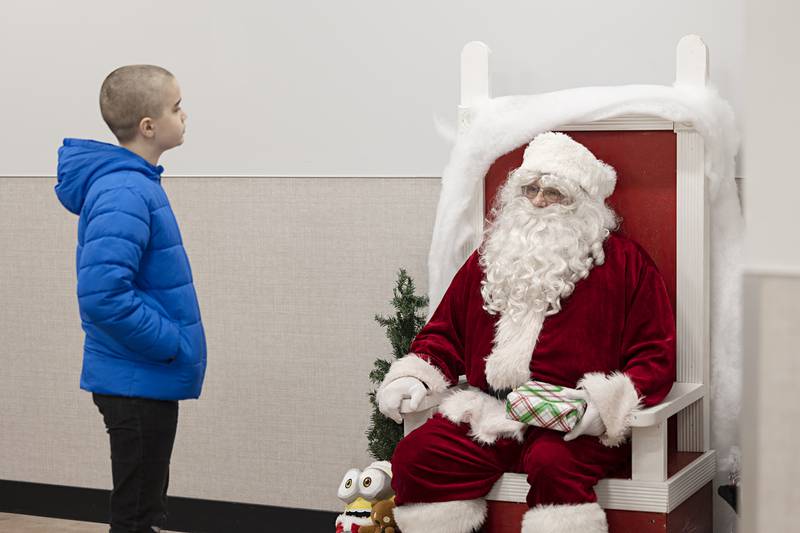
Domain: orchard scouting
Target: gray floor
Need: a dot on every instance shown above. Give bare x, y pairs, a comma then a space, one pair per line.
20, 523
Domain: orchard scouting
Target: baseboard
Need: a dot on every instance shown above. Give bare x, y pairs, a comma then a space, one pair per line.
185, 514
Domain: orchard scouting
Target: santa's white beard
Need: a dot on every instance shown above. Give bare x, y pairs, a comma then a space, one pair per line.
532, 257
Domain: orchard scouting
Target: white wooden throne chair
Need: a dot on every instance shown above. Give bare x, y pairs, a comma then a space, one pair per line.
662, 197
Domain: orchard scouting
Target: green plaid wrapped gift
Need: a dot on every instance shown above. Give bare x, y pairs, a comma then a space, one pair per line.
541, 404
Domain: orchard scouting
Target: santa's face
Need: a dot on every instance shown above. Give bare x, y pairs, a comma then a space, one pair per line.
546, 190
535, 250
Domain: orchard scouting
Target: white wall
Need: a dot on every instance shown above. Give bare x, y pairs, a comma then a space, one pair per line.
773, 113
771, 496
315, 88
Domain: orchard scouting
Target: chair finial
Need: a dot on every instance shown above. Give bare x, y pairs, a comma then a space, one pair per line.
474, 73
691, 61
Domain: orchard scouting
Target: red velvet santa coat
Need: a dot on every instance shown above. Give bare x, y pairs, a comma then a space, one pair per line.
614, 337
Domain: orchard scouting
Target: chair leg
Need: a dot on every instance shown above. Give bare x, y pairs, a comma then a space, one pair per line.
649, 453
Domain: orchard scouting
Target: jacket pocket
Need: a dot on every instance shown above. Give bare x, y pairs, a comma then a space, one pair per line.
188, 353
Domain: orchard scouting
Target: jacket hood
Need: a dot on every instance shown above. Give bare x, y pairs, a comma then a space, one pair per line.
82, 162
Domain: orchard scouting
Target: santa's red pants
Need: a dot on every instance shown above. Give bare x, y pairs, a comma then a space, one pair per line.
439, 462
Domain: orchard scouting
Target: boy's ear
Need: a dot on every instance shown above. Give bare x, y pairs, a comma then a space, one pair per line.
146, 127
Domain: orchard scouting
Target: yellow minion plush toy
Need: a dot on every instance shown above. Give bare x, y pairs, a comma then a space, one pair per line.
359, 490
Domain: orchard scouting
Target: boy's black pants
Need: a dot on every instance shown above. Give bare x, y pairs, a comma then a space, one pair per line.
141, 432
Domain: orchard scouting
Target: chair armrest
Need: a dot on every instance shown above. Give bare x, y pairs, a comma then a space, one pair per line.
680, 396
432, 400
649, 432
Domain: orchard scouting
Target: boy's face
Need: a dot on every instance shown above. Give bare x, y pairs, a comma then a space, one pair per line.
171, 125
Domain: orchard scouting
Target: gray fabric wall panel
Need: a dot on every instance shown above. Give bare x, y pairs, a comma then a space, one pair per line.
770, 469
289, 274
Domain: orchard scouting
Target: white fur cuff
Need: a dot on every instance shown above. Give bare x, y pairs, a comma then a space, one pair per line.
616, 398
460, 516
485, 415
580, 518
416, 367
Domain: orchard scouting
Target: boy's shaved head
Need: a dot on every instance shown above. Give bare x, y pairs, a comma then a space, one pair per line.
130, 94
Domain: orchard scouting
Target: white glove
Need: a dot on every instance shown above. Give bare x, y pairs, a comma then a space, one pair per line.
590, 423
393, 394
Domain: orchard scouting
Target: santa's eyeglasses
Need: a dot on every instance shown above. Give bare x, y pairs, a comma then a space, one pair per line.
550, 194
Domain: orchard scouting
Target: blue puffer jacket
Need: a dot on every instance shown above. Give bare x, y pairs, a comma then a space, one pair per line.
138, 306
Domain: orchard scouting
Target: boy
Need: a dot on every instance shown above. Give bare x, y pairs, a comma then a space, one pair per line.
145, 346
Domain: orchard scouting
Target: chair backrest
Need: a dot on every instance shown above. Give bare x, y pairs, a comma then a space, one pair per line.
661, 198
645, 196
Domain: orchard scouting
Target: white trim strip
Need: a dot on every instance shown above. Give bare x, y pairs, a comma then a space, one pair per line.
626, 494
624, 122
511, 487
691, 479
771, 271
692, 291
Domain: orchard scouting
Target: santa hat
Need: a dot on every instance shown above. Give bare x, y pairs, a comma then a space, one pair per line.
558, 154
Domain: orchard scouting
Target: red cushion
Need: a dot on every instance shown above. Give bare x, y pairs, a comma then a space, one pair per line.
646, 165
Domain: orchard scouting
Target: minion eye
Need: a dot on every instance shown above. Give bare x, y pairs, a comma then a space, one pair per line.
348, 488
375, 484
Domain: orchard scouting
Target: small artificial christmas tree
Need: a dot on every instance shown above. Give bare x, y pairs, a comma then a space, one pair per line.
384, 433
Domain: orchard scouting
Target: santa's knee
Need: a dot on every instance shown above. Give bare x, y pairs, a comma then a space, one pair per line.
413, 454
546, 463
404, 473
547, 473
556, 476
407, 455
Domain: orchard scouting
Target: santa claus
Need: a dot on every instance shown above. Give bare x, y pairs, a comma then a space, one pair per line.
553, 294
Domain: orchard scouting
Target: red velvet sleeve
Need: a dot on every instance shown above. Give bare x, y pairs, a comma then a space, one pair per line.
440, 341
649, 335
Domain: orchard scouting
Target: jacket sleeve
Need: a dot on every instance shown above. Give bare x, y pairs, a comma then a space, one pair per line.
648, 356
116, 235
649, 337
437, 352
